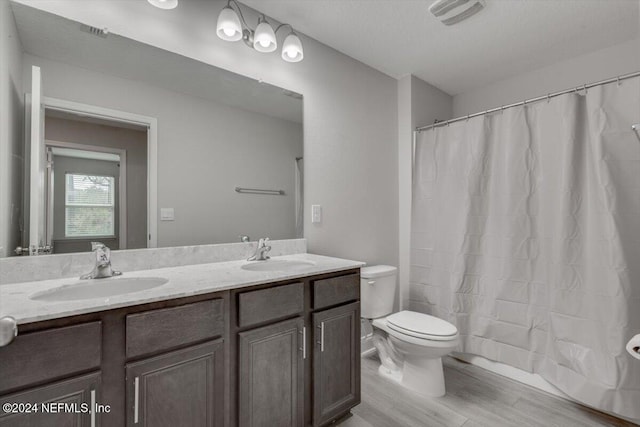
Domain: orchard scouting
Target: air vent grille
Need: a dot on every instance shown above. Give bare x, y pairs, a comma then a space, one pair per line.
100, 32
451, 12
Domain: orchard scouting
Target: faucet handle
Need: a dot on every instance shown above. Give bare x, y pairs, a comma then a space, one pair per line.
103, 253
97, 245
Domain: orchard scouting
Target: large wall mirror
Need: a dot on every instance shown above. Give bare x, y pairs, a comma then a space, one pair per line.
138, 147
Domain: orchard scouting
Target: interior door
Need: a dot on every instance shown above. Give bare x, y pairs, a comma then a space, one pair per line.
37, 191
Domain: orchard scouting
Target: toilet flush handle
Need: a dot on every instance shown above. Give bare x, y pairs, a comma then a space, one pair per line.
371, 282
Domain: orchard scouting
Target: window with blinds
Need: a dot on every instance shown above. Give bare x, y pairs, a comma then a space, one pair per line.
89, 205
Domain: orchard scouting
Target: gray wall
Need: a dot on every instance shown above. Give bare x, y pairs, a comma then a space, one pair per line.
350, 118
11, 130
131, 140
419, 103
205, 150
599, 65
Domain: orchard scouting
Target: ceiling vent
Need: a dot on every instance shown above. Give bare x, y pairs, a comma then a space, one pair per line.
451, 12
100, 32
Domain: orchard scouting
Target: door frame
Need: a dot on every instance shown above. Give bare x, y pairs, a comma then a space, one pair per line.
122, 186
151, 123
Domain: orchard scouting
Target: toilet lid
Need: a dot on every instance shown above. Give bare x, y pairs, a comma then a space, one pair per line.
421, 325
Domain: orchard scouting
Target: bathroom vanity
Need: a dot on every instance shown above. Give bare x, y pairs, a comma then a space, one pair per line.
217, 345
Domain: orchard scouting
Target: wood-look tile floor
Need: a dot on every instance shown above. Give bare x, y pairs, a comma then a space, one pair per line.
475, 397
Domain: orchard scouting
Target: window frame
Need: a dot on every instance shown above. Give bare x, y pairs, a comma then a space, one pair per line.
115, 196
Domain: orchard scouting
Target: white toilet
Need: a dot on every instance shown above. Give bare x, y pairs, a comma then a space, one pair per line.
410, 344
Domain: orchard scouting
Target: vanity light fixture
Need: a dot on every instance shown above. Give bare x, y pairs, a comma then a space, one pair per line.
164, 4
229, 28
292, 48
233, 27
264, 39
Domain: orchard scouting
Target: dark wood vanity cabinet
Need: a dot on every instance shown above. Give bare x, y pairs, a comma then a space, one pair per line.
280, 354
180, 388
173, 378
74, 392
271, 375
336, 362
42, 369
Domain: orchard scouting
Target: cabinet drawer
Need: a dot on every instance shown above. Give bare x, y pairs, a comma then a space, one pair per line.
156, 330
50, 354
269, 304
336, 290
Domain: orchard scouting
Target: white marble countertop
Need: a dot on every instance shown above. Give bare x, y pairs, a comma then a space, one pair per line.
183, 281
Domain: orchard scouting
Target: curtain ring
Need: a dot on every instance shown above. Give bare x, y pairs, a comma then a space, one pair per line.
467, 117
502, 110
618, 79
585, 89
548, 98
447, 123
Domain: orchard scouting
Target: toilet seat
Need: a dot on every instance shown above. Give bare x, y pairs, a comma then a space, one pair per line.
421, 326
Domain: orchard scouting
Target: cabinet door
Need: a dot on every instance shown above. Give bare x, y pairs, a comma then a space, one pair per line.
271, 375
78, 394
183, 388
336, 362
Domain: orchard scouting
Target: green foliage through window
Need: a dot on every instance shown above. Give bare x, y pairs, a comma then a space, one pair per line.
89, 205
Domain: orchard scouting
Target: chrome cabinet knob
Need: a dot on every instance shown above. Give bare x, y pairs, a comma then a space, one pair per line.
8, 330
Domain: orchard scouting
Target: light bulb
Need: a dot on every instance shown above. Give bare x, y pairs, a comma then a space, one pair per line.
292, 48
228, 27
264, 39
164, 4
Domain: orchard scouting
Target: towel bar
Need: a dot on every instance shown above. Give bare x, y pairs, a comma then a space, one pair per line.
259, 191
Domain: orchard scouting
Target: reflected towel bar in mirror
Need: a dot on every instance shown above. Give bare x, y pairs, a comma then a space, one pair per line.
259, 191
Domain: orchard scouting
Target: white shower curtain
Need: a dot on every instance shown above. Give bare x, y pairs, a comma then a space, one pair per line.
526, 236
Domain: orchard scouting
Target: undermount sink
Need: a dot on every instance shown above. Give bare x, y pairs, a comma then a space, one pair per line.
278, 265
99, 288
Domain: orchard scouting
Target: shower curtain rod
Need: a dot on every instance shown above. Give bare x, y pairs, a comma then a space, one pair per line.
540, 98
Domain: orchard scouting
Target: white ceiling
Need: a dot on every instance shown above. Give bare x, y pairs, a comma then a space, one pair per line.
53, 37
507, 38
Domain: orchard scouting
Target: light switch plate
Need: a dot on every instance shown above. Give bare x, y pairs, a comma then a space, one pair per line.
166, 214
316, 214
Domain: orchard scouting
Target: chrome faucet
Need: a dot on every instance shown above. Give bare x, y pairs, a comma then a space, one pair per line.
102, 268
261, 251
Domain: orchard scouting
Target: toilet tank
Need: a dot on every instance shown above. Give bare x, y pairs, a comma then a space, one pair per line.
377, 290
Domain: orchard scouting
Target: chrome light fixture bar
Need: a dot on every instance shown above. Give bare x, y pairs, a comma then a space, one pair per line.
232, 27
